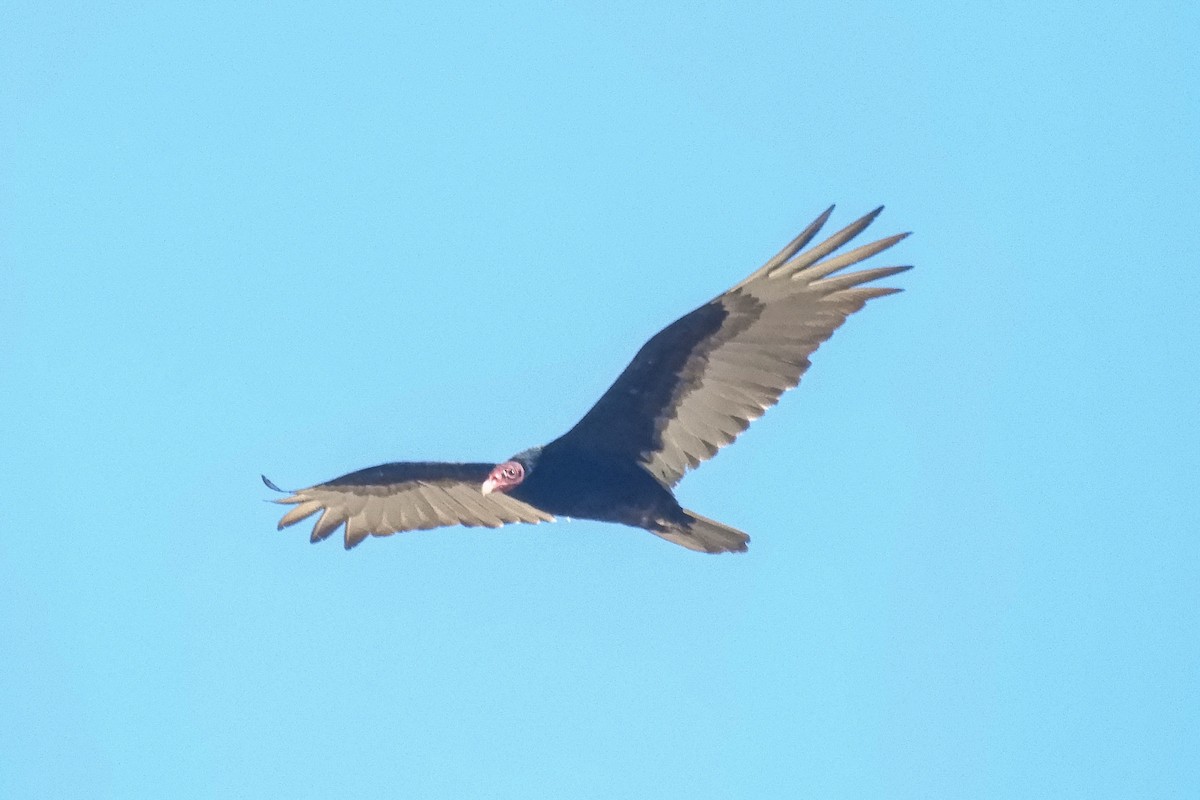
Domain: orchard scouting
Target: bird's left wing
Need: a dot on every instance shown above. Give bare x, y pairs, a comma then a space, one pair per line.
404, 496
699, 382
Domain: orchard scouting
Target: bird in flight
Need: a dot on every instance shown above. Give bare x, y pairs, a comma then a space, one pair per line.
690, 390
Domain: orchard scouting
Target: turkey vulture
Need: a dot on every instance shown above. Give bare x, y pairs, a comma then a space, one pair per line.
689, 391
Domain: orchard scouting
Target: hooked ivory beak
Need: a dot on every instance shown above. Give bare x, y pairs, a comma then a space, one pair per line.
489, 485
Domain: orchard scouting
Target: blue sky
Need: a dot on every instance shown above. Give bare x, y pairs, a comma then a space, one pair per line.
244, 238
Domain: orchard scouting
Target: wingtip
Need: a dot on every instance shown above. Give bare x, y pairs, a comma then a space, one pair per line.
271, 484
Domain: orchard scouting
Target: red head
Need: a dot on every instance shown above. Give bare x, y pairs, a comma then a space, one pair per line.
504, 477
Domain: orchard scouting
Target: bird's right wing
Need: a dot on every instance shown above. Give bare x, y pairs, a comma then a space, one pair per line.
404, 496
700, 381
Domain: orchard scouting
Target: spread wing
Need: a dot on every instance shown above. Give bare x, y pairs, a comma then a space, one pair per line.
405, 496
699, 382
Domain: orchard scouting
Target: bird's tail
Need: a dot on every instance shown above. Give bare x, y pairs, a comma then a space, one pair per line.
704, 535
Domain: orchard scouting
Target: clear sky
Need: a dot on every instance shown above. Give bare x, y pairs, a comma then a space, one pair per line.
244, 238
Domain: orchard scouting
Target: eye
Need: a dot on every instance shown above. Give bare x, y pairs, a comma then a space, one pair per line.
510, 472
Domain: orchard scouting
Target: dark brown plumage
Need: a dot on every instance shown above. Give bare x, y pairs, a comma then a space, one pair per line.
692, 389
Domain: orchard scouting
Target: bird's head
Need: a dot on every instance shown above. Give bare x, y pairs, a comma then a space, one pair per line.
507, 476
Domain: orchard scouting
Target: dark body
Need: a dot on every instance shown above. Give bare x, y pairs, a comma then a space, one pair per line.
689, 391
574, 481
